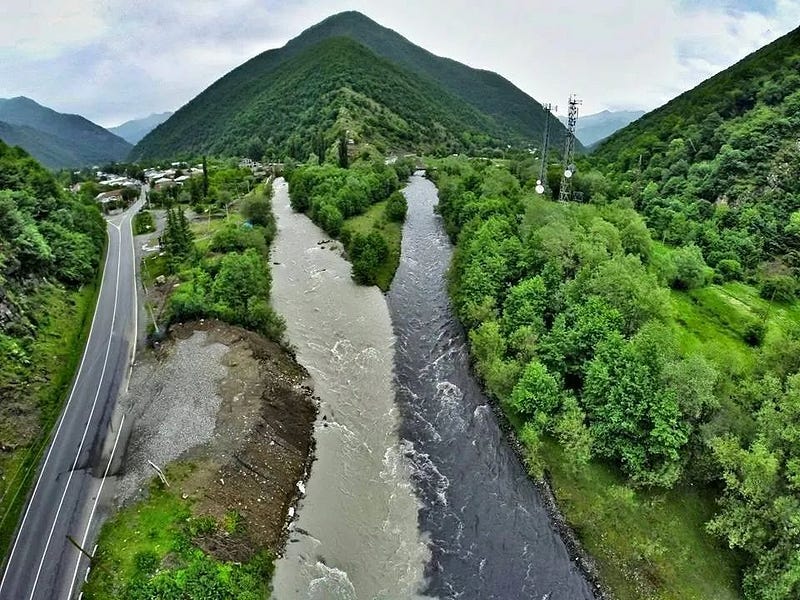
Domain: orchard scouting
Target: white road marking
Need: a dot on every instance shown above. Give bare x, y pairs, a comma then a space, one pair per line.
85, 429
94, 508
60, 423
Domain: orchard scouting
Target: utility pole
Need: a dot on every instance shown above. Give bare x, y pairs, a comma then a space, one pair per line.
565, 193
541, 183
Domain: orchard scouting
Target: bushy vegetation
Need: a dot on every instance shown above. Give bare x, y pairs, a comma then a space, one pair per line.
50, 247
718, 166
575, 331
335, 197
143, 222
230, 281
153, 549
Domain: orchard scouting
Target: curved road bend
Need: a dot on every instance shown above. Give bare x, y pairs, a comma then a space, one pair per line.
42, 563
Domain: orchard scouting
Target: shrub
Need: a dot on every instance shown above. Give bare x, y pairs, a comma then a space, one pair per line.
396, 207
781, 288
691, 270
367, 253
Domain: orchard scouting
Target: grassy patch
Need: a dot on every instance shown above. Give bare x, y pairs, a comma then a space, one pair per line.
151, 549
153, 267
143, 222
647, 544
375, 220
64, 318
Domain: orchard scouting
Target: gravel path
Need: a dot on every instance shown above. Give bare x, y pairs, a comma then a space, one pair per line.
175, 401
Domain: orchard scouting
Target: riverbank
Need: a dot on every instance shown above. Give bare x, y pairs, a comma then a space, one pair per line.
227, 415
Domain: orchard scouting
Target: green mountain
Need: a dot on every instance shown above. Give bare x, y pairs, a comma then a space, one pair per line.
58, 140
349, 73
720, 164
48, 149
134, 130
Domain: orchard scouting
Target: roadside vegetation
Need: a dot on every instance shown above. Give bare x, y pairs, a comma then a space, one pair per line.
215, 265
360, 205
164, 529
655, 393
51, 244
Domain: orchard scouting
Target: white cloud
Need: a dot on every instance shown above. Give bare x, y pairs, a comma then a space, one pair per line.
116, 59
38, 28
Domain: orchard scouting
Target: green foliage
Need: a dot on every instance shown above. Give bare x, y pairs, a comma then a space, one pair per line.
537, 394
367, 253
760, 505
717, 166
177, 240
691, 270
151, 550
143, 222
234, 237
278, 103
573, 330
227, 277
332, 196
780, 288
257, 210
396, 207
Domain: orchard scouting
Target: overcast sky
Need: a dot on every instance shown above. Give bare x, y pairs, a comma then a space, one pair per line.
112, 60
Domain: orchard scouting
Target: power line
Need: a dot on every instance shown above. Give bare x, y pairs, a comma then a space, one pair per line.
541, 183
565, 193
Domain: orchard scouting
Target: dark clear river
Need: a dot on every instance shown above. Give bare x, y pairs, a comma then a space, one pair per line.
489, 534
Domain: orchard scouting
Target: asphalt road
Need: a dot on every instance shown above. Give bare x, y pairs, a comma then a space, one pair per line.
43, 563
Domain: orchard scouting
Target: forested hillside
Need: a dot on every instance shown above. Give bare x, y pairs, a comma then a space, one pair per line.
516, 112
295, 99
58, 140
50, 248
643, 388
720, 166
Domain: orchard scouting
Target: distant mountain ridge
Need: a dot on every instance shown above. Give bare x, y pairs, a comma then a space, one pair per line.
134, 130
598, 126
357, 76
56, 139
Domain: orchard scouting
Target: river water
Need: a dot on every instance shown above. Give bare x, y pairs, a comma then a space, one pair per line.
406, 450
490, 535
356, 534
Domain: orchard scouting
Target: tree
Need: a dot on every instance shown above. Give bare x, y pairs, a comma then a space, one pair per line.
691, 270
344, 159
367, 253
240, 278
537, 395
396, 207
257, 209
633, 416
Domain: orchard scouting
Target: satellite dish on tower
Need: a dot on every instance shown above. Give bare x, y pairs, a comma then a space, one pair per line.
567, 173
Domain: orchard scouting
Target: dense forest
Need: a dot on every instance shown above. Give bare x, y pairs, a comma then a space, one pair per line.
719, 166
333, 87
334, 196
50, 246
585, 329
519, 115
348, 74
